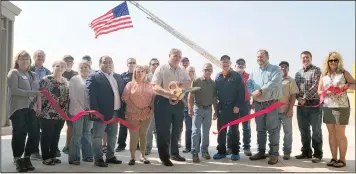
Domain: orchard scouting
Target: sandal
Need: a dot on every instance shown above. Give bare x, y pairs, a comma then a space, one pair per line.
339, 164
74, 162
88, 159
48, 162
132, 162
331, 163
104, 149
145, 160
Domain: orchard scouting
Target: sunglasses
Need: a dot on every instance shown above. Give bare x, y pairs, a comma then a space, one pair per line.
333, 60
240, 63
155, 64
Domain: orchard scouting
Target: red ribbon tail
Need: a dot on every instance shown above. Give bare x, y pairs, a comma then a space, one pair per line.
97, 114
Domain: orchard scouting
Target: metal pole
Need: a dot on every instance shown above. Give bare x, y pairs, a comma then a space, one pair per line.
2, 75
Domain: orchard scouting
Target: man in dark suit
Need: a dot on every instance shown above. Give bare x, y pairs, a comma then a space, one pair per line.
104, 90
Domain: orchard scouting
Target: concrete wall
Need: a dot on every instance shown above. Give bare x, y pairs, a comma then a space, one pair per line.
8, 13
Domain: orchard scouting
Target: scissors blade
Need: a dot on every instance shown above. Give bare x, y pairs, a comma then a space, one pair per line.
191, 89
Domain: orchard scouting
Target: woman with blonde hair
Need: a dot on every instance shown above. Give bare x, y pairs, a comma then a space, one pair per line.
81, 135
23, 87
138, 95
52, 123
336, 107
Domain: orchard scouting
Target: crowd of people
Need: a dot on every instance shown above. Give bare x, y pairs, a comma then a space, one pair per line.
142, 97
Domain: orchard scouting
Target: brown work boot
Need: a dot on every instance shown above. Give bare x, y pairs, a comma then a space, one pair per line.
273, 159
258, 156
286, 156
196, 158
206, 155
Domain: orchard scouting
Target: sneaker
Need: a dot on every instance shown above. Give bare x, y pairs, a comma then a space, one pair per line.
196, 158
303, 155
273, 159
247, 152
65, 150
28, 164
235, 157
36, 156
58, 153
186, 150
219, 156
20, 165
316, 159
206, 155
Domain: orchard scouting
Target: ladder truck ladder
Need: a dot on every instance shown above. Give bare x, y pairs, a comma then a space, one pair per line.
178, 35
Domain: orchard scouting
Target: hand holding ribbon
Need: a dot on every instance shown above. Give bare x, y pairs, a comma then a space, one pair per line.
61, 112
333, 89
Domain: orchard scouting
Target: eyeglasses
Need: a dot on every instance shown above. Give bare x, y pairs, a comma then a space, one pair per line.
155, 64
207, 70
132, 63
333, 60
240, 63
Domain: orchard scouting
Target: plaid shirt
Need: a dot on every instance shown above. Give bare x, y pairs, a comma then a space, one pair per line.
307, 80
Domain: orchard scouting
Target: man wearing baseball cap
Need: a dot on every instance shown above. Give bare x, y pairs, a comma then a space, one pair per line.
68, 74
245, 110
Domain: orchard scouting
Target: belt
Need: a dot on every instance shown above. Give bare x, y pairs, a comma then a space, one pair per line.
225, 103
204, 107
266, 102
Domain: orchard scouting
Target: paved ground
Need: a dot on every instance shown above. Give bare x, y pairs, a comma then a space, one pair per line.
226, 165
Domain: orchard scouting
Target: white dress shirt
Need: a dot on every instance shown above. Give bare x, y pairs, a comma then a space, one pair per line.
115, 89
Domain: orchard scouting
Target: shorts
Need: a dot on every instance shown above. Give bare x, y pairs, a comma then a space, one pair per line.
338, 116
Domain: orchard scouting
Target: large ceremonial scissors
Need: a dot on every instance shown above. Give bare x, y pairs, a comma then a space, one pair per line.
180, 93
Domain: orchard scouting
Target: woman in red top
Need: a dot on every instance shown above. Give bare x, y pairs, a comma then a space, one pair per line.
138, 96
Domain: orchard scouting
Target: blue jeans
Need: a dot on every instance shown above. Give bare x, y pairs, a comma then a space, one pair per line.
151, 131
246, 128
202, 117
98, 134
188, 130
310, 117
270, 123
81, 139
288, 132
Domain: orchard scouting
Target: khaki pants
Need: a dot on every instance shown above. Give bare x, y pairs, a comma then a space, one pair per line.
141, 134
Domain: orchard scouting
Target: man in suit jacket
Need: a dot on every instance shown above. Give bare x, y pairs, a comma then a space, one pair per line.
104, 89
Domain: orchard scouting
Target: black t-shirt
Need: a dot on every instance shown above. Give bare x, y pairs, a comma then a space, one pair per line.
69, 74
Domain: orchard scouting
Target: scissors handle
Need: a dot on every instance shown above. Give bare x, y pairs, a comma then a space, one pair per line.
173, 87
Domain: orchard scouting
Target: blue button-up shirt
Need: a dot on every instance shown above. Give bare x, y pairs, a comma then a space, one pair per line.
40, 72
127, 77
269, 79
230, 90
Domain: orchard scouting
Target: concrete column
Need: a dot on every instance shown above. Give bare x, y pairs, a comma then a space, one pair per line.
4, 57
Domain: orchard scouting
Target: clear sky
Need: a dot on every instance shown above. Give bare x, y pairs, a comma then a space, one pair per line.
235, 28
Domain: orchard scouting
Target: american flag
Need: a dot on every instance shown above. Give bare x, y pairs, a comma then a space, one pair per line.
116, 19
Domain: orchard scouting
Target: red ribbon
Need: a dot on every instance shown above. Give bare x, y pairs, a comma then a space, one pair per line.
334, 90
98, 115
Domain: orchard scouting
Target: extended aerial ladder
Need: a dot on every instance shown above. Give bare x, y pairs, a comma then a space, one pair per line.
178, 35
